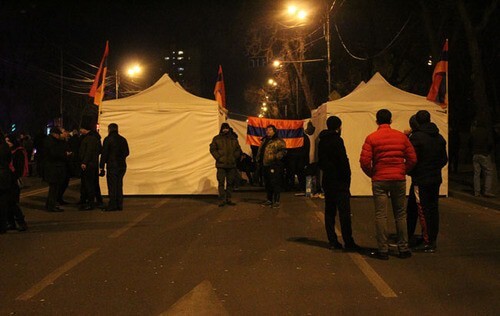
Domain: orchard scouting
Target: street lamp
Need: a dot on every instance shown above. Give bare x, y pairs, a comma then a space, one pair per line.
300, 15
132, 71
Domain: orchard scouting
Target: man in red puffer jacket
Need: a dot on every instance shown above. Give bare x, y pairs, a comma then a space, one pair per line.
387, 156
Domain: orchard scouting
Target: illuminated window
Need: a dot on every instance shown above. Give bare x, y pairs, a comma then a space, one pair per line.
181, 52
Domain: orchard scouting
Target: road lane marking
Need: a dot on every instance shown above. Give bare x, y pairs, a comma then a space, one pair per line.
122, 230
52, 277
375, 279
161, 203
201, 300
42, 190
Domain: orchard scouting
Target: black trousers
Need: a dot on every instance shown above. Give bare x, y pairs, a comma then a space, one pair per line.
273, 178
15, 214
63, 188
114, 177
429, 201
53, 195
226, 178
338, 200
4, 202
412, 209
88, 187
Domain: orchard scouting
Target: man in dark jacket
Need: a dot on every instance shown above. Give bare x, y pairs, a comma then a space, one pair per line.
114, 152
336, 183
226, 151
430, 148
55, 156
90, 149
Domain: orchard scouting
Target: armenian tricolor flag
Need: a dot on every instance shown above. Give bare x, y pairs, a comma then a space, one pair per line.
97, 89
291, 131
220, 89
438, 92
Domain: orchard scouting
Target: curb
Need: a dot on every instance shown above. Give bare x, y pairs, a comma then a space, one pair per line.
491, 203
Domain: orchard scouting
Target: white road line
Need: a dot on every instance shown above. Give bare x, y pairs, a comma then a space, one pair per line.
50, 279
372, 276
161, 203
201, 300
122, 230
43, 190
375, 279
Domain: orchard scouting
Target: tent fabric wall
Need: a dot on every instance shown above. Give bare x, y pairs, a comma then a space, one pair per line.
169, 132
357, 112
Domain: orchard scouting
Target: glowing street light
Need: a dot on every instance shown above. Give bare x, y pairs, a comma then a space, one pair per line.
133, 71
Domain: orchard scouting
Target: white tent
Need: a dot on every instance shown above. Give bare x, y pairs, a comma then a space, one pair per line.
357, 111
169, 131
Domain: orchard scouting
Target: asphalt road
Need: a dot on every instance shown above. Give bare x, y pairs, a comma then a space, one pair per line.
185, 255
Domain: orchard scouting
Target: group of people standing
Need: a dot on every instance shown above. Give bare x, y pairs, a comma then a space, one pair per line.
387, 157
62, 156
60, 160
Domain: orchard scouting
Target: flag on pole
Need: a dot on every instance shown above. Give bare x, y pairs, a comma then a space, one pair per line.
439, 89
291, 131
97, 89
220, 90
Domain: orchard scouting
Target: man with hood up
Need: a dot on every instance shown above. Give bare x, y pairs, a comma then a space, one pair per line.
430, 148
226, 151
332, 159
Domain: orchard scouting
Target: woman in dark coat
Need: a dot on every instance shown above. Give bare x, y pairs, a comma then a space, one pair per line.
6, 182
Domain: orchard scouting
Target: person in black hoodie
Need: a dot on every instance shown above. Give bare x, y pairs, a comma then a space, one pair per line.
226, 151
114, 152
333, 160
430, 147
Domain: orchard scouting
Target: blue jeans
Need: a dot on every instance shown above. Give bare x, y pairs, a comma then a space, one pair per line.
484, 163
396, 190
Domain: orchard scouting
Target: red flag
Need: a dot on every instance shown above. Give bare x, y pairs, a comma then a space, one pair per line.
97, 89
439, 91
220, 89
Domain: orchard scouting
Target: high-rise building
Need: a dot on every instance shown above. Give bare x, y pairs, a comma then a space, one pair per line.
183, 66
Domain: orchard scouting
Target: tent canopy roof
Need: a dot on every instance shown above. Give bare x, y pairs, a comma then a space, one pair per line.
165, 94
377, 93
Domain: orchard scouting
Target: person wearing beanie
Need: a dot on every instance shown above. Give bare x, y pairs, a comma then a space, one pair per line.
334, 163
6, 182
386, 157
226, 151
430, 147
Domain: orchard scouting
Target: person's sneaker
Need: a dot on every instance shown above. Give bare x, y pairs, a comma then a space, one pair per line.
221, 204
229, 202
336, 245
267, 203
275, 205
55, 209
427, 248
477, 194
379, 255
404, 254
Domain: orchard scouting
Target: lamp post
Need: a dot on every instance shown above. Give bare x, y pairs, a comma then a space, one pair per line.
300, 15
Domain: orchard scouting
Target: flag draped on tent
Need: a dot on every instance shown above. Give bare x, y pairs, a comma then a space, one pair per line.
220, 90
439, 89
291, 131
97, 89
